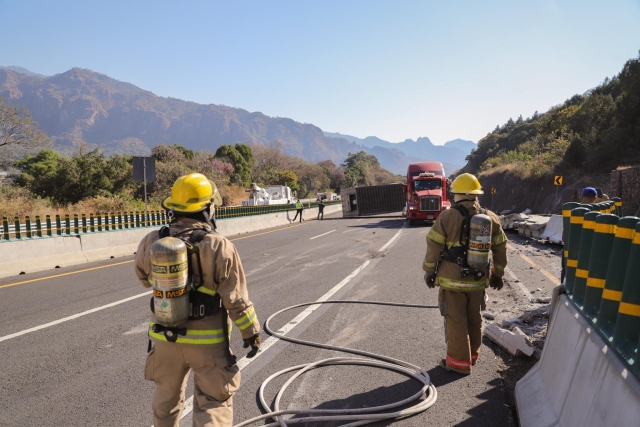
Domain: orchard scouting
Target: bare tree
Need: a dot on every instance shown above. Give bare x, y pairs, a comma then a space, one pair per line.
18, 128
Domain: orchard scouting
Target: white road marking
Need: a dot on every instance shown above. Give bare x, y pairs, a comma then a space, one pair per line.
244, 362
320, 235
75, 316
517, 281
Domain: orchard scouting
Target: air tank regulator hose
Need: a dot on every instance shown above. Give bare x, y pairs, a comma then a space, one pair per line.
357, 416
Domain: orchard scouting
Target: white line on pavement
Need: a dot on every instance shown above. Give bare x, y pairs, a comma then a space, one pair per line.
244, 362
75, 316
320, 235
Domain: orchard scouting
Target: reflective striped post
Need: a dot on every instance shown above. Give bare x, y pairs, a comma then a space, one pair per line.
58, 225
603, 236
584, 256
38, 226
119, 220
99, 217
67, 224
618, 203
106, 221
49, 231
84, 223
137, 219
92, 223
5, 228
566, 215
16, 225
627, 333
27, 220
575, 229
612, 292
76, 225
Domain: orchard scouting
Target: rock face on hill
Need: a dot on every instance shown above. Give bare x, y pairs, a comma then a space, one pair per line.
82, 105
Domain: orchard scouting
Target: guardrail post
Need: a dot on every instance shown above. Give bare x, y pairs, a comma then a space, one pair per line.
137, 219
76, 228
106, 221
584, 257
627, 333
92, 224
58, 226
16, 225
38, 226
5, 228
575, 229
603, 236
27, 220
99, 217
67, 224
113, 221
49, 231
614, 284
84, 223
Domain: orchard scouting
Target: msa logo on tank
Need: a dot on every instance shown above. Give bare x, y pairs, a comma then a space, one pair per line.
170, 280
479, 242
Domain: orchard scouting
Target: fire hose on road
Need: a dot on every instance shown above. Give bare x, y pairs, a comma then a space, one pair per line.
359, 416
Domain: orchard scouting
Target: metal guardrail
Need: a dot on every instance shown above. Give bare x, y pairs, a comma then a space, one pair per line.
75, 224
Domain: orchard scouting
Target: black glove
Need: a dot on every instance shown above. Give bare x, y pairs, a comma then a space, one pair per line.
254, 342
430, 280
495, 282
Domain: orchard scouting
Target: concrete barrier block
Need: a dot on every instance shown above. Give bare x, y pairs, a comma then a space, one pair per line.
579, 381
514, 343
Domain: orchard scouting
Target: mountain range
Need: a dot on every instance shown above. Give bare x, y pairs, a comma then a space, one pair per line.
82, 105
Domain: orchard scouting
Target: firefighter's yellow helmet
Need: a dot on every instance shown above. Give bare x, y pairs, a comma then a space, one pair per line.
466, 184
192, 193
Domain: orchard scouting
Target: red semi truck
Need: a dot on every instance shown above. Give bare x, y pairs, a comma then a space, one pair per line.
426, 192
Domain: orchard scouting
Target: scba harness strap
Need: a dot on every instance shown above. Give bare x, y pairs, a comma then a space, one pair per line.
458, 254
203, 302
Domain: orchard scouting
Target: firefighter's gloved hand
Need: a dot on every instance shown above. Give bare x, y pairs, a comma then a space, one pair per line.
430, 280
254, 342
495, 282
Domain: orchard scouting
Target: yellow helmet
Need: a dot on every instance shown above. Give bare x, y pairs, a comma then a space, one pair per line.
192, 193
466, 184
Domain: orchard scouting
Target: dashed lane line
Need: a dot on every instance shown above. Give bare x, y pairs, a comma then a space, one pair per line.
75, 316
517, 281
320, 235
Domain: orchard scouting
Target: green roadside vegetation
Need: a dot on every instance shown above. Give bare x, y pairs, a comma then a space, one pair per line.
590, 133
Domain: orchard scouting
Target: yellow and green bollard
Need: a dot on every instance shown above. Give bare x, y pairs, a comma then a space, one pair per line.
566, 216
584, 256
612, 292
618, 203
627, 332
603, 236
575, 230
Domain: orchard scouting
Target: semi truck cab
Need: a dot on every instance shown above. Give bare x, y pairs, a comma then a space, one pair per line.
426, 192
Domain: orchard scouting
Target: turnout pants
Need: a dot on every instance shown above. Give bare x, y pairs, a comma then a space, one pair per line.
462, 326
214, 384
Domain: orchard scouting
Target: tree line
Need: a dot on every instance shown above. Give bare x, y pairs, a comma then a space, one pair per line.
593, 132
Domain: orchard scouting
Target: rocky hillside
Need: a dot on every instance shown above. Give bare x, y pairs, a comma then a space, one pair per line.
120, 118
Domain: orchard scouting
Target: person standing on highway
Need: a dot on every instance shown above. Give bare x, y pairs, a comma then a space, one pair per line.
201, 343
462, 291
321, 209
299, 209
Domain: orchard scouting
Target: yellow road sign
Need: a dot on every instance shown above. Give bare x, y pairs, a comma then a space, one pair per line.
557, 180
494, 191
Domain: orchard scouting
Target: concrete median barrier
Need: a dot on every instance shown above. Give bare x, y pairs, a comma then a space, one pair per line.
579, 381
553, 230
37, 254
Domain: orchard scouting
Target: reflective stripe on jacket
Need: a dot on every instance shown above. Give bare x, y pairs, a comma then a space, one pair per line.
222, 273
446, 233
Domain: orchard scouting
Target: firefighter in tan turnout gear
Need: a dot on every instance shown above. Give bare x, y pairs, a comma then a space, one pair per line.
198, 284
457, 260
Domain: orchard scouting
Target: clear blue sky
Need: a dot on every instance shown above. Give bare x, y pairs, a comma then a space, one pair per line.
395, 69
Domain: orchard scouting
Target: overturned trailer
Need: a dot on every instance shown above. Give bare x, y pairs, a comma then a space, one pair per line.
372, 200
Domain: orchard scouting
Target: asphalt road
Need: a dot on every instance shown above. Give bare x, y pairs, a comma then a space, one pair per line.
88, 369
